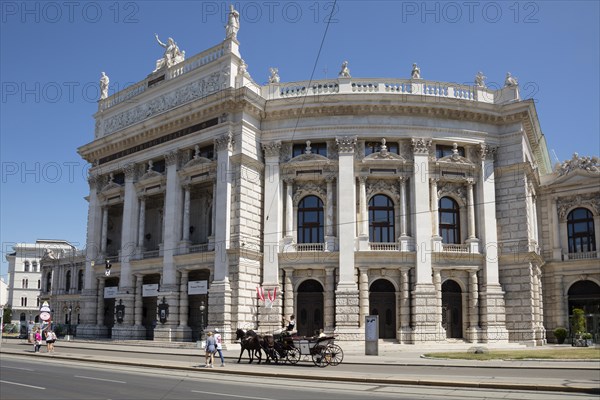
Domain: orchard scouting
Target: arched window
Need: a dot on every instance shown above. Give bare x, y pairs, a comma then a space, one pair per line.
34, 266
381, 219
580, 228
25, 283
68, 281
49, 281
449, 221
80, 280
310, 220
26, 265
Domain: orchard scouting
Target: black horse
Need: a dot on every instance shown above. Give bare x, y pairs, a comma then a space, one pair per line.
249, 341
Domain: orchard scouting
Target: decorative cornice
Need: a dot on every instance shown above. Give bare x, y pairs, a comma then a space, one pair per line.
346, 144
272, 149
588, 200
309, 189
421, 146
453, 189
385, 187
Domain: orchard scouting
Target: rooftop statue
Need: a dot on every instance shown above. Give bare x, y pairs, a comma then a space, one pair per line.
274, 78
586, 163
104, 86
345, 72
172, 54
480, 80
416, 72
233, 23
510, 80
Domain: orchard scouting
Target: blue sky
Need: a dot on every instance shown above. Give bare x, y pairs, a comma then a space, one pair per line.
52, 54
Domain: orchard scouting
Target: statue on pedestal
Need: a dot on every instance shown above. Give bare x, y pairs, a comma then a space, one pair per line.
345, 71
510, 80
480, 80
233, 23
171, 56
416, 72
274, 78
104, 86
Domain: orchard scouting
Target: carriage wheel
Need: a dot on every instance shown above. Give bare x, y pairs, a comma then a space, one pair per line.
321, 357
293, 355
336, 354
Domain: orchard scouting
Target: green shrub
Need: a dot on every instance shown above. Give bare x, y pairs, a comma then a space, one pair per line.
578, 325
560, 334
587, 336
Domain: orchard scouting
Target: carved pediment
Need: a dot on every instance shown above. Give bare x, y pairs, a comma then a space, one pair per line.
384, 156
196, 161
111, 185
306, 158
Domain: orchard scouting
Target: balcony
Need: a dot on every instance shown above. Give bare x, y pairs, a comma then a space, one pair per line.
150, 254
378, 246
304, 247
199, 248
455, 248
587, 255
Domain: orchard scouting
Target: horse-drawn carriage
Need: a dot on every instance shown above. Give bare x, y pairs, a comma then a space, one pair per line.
285, 348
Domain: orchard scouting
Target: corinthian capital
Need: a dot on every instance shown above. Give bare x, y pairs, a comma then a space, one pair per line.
224, 142
272, 149
171, 158
421, 146
129, 171
486, 152
346, 144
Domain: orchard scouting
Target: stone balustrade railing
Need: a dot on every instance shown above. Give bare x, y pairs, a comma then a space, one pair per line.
309, 246
377, 246
455, 248
408, 87
588, 255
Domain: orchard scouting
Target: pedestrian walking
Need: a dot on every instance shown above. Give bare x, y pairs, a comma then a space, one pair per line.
37, 341
211, 346
50, 340
219, 339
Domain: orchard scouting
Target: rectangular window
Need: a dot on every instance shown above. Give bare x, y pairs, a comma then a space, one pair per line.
315, 148
444, 150
375, 147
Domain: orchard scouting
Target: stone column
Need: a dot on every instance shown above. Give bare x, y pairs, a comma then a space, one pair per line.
404, 307
363, 225
100, 304
288, 294
172, 225
363, 297
183, 331
289, 210
425, 307
329, 300
472, 240
405, 239
347, 307
542, 329
142, 224
273, 213
473, 329
123, 331
139, 300
562, 301
186, 213
329, 235
556, 250
491, 296
437, 283
104, 233
219, 299
211, 239
434, 207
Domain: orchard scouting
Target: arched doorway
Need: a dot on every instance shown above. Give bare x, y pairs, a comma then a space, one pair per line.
198, 302
382, 302
452, 309
310, 308
150, 303
586, 295
109, 303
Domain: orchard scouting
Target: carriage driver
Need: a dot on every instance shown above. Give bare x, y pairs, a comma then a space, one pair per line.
290, 328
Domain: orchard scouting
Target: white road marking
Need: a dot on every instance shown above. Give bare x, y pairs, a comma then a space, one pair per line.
22, 369
98, 379
22, 384
232, 395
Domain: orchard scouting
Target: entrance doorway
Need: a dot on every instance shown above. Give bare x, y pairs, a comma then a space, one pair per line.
109, 305
586, 296
382, 302
150, 306
310, 308
452, 309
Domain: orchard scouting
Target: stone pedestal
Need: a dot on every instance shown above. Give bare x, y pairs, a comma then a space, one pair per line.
219, 304
493, 317
427, 326
347, 313
182, 334
128, 332
473, 245
363, 243
91, 331
436, 244
330, 243
406, 243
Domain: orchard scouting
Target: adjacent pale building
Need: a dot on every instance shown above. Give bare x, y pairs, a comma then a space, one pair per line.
432, 205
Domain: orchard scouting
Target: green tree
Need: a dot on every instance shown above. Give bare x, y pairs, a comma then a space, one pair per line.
7, 315
578, 324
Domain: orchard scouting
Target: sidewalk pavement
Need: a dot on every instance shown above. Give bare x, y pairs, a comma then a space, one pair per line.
392, 355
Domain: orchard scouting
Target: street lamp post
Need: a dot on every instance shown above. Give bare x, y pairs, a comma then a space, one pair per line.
69, 326
202, 308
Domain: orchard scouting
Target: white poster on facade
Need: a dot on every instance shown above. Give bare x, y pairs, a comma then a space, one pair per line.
110, 292
150, 290
197, 287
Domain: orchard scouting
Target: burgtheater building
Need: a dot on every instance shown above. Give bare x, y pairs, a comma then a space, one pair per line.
432, 205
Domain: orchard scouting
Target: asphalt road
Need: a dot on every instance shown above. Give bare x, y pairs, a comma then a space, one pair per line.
29, 378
